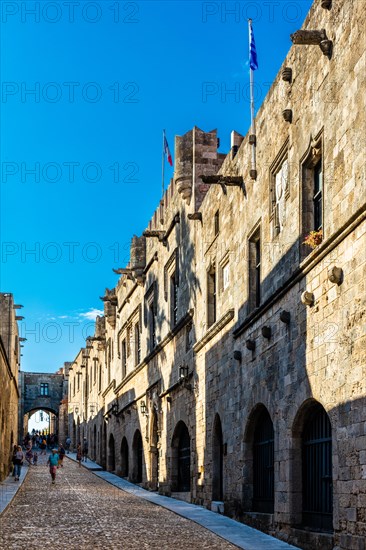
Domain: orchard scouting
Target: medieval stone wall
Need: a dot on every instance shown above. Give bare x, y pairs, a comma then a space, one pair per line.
238, 349
9, 395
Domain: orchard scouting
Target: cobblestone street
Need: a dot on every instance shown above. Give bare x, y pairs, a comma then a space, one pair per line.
82, 511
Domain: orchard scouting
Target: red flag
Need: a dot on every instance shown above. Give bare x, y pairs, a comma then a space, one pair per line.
167, 151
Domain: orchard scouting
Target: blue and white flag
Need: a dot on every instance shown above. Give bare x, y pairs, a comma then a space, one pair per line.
253, 60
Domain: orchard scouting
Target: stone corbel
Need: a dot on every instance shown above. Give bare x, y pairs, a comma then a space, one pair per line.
326, 4
184, 187
335, 275
111, 299
287, 74
287, 115
136, 275
307, 298
195, 216
154, 233
225, 181
317, 38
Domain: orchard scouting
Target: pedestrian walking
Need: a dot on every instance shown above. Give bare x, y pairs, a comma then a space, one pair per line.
35, 458
15, 448
67, 444
85, 450
61, 456
53, 461
29, 456
18, 462
79, 456
43, 447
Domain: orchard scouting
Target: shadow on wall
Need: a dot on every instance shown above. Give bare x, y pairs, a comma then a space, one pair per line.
273, 453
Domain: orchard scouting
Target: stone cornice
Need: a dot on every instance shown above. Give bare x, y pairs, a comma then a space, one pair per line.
214, 329
111, 385
305, 267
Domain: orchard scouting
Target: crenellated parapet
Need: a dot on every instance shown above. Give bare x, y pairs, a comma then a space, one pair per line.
196, 154
110, 306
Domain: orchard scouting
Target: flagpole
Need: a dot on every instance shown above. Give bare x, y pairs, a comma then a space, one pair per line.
162, 167
252, 137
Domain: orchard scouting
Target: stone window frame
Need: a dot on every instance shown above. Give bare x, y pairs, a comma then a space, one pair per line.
311, 158
95, 368
253, 238
127, 334
274, 169
224, 262
211, 290
151, 307
137, 342
217, 222
171, 271
123, 357
44, 389
171, 266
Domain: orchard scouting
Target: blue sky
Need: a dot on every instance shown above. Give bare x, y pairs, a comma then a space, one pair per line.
81, 155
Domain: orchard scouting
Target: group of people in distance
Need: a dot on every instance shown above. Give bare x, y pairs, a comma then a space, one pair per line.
55, 459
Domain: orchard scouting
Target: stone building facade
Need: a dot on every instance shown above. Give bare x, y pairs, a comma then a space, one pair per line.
229, 368
9, 366
46, 392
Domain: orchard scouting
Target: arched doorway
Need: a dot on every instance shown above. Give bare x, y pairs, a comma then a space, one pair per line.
78, 440
111, 454
263, 462
181, 459
217, 460
103, 446
124, 458
154, 451
74, 440
95, 443
137, 453
97, 458
317, 488
42, 420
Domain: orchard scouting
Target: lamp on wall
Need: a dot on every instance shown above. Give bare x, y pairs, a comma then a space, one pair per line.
183, 371
143, 409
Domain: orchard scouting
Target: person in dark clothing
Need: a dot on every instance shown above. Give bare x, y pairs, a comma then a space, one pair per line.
85, 449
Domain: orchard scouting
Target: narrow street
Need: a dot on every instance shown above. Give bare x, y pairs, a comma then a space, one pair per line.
82, 511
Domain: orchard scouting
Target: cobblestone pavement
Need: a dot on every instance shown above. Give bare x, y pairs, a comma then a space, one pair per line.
82, 511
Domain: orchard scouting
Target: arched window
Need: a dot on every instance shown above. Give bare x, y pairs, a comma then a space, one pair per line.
317, 502
263, 459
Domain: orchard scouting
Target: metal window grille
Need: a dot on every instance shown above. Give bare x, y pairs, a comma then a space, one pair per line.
317, 472
263, 459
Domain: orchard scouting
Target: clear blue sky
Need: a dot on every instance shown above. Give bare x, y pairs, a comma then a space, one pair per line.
108, 77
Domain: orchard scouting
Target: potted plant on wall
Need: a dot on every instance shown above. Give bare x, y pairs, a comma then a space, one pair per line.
314, 238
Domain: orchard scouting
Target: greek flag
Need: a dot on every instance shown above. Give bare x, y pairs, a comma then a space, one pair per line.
253, 60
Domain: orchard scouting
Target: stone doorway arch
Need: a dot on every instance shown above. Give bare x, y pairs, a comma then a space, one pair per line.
137, 456
111, 454
217, 461
181, 459
154, 452
124, 458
